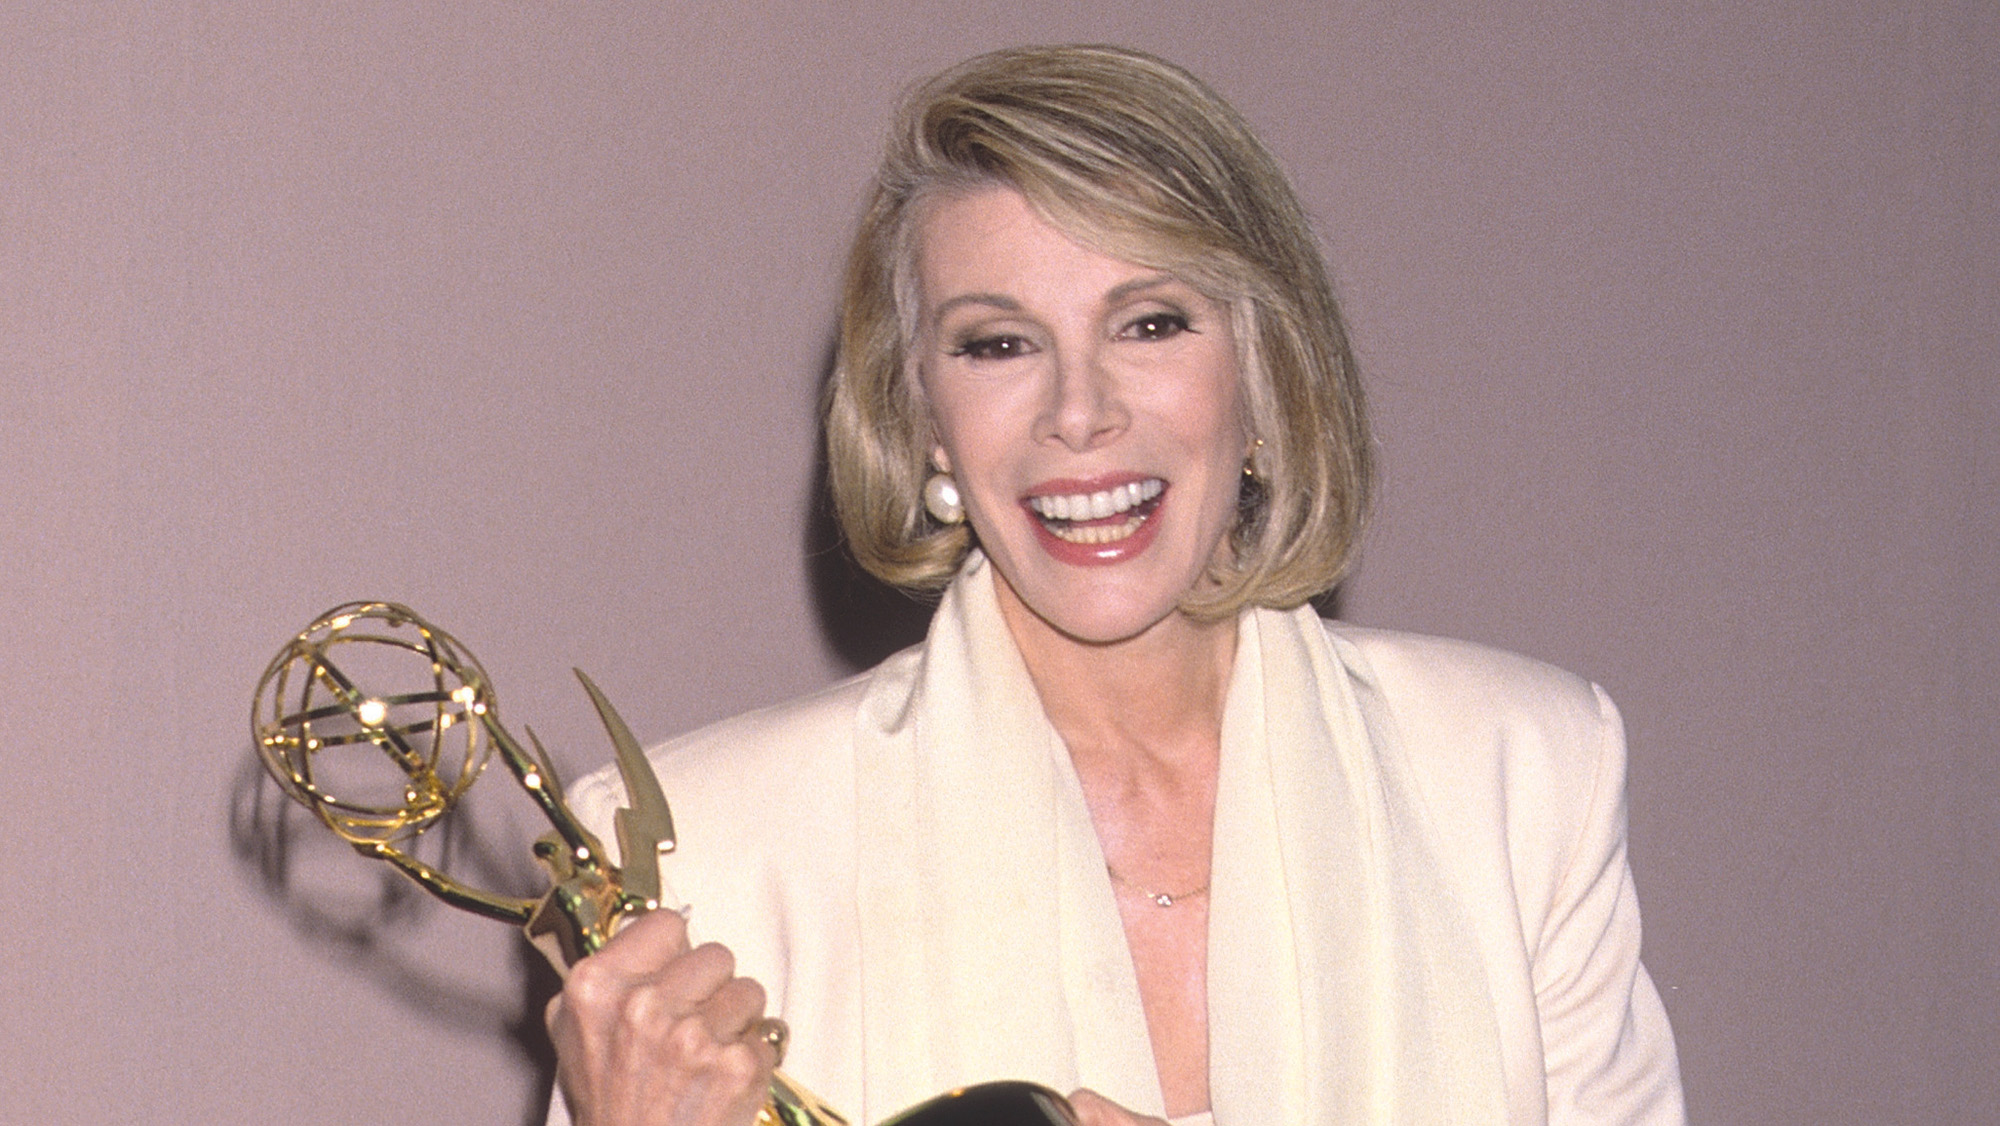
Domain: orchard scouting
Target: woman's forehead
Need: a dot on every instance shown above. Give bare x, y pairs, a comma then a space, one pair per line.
993, 237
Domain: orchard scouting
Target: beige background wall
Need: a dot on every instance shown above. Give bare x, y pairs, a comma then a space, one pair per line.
1684, 341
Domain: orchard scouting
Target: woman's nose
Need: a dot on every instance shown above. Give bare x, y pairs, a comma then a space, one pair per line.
1084, 409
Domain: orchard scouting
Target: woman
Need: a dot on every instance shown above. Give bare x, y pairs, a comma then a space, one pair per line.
1132, 819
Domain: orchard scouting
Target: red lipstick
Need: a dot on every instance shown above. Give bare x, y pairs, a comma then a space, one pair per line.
1064, 514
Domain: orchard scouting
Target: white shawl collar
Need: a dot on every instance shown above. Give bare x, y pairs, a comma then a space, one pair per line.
1341, 987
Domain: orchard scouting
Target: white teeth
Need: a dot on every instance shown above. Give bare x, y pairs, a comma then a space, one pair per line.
1098, 505
1098, 533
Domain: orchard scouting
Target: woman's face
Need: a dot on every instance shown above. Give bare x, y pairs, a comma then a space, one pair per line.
1090, 409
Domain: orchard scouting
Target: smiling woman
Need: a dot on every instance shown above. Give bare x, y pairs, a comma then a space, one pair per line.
1134, 158
1133, 821
1088, 408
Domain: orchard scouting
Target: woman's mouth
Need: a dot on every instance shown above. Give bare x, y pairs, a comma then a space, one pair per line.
1105, 516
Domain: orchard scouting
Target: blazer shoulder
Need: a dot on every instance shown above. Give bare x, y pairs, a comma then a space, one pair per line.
783, 735
1528, 752
1465, 677
1460, 698
774, 756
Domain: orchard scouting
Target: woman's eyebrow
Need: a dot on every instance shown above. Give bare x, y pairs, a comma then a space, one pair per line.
1126, 289
1007, 304
996, 300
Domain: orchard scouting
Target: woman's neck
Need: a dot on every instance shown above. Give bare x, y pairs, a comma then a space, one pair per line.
1142, 719
1159, 693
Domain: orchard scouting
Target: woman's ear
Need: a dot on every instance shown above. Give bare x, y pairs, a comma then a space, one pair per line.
940, 460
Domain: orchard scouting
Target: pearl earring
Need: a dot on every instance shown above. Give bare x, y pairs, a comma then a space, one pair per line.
941, 499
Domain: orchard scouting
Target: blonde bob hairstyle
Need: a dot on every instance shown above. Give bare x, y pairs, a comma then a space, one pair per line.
1134, 157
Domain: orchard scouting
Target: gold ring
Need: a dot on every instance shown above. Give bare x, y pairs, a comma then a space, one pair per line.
774, 1032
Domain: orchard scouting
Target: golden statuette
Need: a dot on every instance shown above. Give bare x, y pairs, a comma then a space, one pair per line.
379, 721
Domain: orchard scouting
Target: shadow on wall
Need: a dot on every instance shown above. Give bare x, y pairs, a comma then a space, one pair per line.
368, 916
862, 618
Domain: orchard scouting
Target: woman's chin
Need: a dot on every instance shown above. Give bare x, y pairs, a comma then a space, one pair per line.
1106, 630
1096, 614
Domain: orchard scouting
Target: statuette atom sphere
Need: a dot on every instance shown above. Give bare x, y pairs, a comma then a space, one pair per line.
370, 718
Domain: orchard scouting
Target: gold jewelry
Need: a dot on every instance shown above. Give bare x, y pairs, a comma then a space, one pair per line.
1159, 898
1250, 469
774, 1032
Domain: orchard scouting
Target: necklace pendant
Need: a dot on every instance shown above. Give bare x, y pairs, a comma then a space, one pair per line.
1159, 898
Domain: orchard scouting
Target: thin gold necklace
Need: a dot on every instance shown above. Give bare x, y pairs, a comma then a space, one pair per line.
1159, 898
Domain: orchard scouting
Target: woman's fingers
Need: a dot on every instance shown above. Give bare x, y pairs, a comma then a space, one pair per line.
732, 1008
1093, 1109
649, 1030
647, 940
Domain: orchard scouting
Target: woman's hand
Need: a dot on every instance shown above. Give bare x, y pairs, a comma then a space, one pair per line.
1093, 1109
649, 1031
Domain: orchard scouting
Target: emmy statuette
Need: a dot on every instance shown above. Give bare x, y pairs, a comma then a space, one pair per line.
369, 683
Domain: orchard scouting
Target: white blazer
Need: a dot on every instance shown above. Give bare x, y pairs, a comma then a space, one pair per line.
1420, 908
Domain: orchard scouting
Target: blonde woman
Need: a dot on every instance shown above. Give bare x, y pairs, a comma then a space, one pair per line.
1132, 821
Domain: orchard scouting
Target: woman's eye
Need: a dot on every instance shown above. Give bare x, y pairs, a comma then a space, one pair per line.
991, 347
1157, 326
